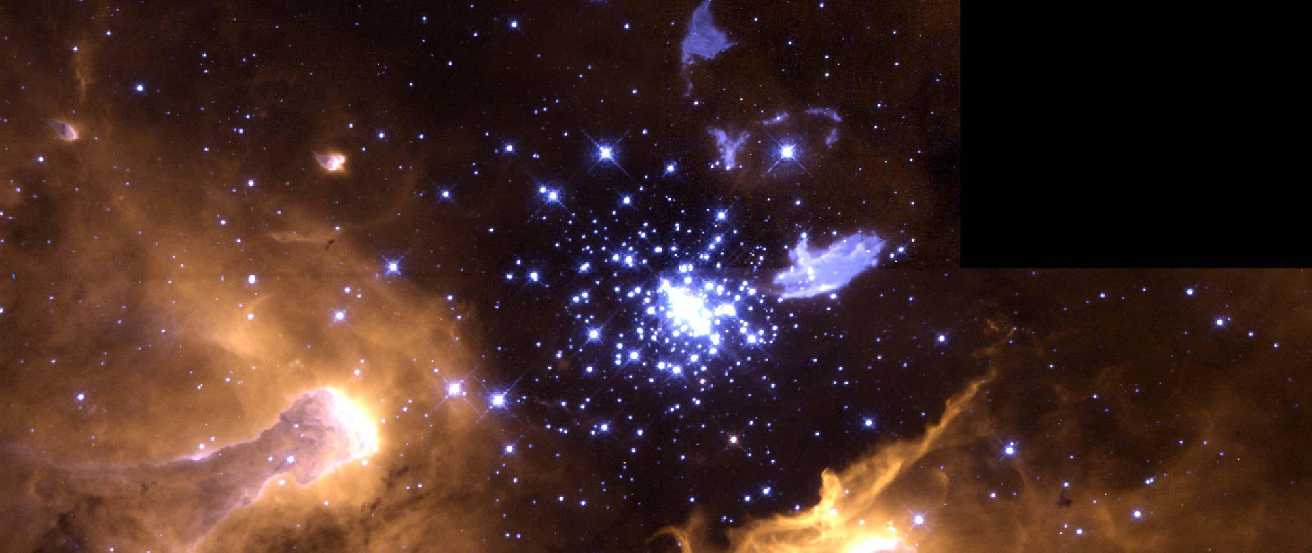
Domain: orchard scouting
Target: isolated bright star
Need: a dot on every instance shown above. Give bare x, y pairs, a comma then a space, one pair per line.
786, 151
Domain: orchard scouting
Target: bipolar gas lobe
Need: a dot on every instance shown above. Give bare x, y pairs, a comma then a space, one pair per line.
331, 162
64, 131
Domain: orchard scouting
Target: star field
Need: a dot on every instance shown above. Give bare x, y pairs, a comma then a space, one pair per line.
582, 276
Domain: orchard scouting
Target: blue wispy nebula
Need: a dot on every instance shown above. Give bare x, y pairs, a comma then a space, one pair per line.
728, 146
821, 271
703, 41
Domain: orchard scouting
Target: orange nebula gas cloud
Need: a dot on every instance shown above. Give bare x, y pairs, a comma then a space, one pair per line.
176, 504
889, 544
331, 162
844, 520
359, 429
328, 430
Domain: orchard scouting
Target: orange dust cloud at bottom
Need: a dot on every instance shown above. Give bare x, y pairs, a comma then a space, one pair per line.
844, 520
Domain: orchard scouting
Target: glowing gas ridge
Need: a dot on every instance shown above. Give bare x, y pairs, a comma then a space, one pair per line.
360, 428
881, 544
851, 500
320, 431
171, 506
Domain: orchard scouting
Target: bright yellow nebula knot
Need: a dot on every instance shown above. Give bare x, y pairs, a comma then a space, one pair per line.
359, 427
880, 545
